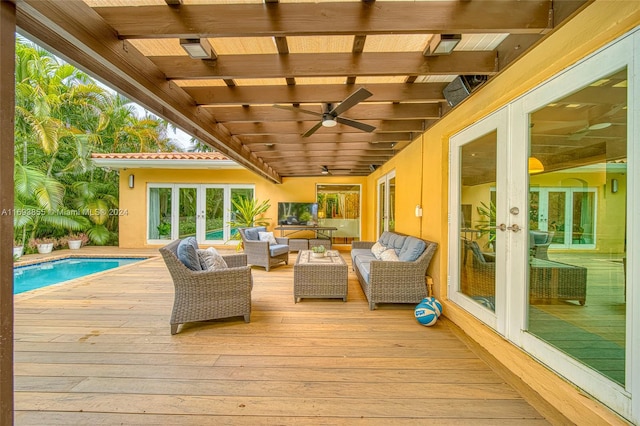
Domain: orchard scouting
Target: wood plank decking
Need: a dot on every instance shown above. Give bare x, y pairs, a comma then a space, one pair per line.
98, 351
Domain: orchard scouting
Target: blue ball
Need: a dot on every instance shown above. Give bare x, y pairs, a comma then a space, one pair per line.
425, 314
434, 303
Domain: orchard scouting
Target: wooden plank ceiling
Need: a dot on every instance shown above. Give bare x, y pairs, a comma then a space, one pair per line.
298, 55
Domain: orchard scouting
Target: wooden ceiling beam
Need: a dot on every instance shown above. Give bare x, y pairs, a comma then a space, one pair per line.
362, 111
327, 65
402, 17
309, 147
73, 31
319, 137
266, 95
300, 127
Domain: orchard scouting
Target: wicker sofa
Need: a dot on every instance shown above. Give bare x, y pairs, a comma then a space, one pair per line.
385, 281
206, 295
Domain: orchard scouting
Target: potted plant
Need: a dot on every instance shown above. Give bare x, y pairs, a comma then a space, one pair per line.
164, 230
75, 241
317, 251
487, 226
247, 212
18, 249
43, 245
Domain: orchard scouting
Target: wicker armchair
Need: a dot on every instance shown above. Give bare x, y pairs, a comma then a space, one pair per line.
260, 253
539, 242
206, 295
479, 271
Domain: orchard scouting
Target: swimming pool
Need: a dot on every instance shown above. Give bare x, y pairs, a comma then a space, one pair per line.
31, 277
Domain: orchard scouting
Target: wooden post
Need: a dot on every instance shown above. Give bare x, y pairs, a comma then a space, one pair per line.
7, 116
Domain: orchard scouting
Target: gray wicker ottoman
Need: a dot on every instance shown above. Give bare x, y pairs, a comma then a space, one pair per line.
324, 277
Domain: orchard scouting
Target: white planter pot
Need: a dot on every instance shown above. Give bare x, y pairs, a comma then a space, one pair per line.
45, 248
314, 254
74, 244
18, 251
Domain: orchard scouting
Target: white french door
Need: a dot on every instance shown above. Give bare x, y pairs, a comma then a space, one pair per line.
199, 210
560, 162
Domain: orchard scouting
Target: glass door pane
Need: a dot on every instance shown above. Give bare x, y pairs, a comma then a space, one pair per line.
187, 212
577, 298
159, 214
382, 196
214, 214
391, 209
477, 231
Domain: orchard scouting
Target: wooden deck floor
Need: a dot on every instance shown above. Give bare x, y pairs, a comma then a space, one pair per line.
98, 351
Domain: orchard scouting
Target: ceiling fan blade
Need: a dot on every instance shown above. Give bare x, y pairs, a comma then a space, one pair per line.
356, 124
312, 130
297, 109
352, 100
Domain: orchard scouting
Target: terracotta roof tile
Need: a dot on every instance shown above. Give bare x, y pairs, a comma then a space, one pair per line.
161, 156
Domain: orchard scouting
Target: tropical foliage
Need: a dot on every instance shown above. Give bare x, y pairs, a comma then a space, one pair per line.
62, 117
246, 212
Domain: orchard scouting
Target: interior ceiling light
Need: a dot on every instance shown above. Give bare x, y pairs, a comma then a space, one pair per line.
535, 166
198, 48
442, 44
325, 170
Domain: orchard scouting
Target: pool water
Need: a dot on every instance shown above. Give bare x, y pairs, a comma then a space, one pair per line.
39, 275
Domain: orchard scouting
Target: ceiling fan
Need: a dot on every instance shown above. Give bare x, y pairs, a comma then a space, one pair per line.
327, 171
330, 115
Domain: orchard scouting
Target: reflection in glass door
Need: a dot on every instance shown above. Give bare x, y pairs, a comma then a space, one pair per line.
577, 299
477, 269
477, 243
569, 215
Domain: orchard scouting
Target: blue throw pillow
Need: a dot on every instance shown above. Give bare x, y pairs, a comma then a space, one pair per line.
412, 249
188, 253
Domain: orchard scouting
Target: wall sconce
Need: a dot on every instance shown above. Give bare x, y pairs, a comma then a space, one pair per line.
418, 211
198, 48
442, 44
131, 181
614, 186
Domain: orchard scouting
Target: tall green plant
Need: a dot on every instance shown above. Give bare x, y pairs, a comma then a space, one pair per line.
487, 226
247, 212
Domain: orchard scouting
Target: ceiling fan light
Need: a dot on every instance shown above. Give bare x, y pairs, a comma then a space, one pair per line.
325, 170
329, 122
600, 126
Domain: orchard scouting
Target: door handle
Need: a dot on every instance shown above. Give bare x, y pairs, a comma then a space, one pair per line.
502, 227
514, 228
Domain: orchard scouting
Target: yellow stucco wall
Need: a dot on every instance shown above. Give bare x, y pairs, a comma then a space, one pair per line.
133, 223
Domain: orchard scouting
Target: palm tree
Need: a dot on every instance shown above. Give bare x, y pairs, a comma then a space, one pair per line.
38, 202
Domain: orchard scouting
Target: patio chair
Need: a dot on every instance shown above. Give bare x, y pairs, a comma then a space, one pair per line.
539, 242
262, 253
207, 295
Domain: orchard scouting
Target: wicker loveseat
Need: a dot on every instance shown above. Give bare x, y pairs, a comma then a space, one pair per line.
261, 253
206, 295
385, 281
